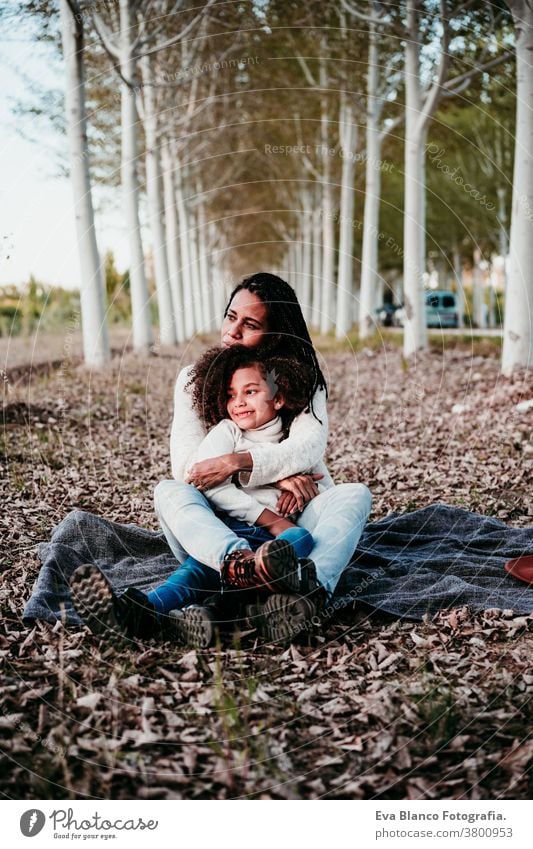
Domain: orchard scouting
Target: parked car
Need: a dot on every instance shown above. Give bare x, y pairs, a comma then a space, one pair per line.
441, 309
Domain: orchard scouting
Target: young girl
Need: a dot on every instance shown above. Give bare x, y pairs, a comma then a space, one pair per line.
251, 400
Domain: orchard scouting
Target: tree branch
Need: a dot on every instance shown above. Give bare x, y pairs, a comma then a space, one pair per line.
395, 122
307, 73
180, 37
467, 76
307, 162
435, 92
105, 37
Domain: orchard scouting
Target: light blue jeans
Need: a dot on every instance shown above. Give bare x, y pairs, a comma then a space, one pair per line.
335, 518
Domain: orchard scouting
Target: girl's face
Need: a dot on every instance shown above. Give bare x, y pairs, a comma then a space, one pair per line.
251, 402
246, 321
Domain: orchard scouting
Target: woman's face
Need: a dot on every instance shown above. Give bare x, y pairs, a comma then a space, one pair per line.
246, 322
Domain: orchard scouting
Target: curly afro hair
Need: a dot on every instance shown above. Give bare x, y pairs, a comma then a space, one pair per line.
288, 334
212, 373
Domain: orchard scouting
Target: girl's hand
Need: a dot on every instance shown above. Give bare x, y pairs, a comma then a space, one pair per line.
209, 473
302, 488
287, 504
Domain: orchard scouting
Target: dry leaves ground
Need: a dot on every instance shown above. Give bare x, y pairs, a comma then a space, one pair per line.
376, 708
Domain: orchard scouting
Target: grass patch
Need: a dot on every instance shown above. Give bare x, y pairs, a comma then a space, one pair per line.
392, 338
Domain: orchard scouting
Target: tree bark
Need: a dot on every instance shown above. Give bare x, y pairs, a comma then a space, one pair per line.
328, 227
478, 293
348, 133
415, 336
205, 282
172, 241
197, 295
460, 292
186, 270
369, 259
167, 322
518, 322
307, 249
93, 320
317, 267
140, 306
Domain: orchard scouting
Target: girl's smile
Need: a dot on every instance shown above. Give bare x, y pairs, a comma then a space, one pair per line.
251, 402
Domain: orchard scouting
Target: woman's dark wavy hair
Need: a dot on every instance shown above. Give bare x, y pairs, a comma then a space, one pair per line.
211, 376
287, 331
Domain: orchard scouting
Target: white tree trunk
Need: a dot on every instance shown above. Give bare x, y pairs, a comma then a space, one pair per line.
195, 273
348, 135
518, 322
397, 288
294, 254
140, 306
503, 238
217, 274
93, 319
328, 258
413, 232
307, 256
478, 293
317, 267
286, 269
491, 313
328, 226
460, 292
369, 259
356, 304
289, 264
167, 329
186, 270
380, 289
205, 281
172, 241
300, 262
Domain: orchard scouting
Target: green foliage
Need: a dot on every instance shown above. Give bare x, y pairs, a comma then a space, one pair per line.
117, 288
36, 305
39, 306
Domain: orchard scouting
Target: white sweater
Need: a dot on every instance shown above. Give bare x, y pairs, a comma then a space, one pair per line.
303, 449
244, 502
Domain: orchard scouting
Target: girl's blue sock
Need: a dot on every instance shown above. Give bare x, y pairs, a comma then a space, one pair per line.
300, 539
191, 583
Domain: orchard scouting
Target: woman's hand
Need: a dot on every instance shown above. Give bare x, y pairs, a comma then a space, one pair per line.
209, 473
297, 491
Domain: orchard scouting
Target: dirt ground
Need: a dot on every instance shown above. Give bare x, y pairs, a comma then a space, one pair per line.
374, 708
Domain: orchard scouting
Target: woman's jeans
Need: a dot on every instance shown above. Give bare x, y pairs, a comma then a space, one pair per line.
335, 518
193, 583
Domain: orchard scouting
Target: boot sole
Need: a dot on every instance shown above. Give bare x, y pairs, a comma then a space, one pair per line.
93, 600
192, 626
282, 617
279, 563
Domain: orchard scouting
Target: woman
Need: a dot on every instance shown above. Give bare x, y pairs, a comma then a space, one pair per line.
262, 310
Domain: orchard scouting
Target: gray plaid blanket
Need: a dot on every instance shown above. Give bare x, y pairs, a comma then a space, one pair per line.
407, 564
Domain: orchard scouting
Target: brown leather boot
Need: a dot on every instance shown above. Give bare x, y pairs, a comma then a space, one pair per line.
273, 568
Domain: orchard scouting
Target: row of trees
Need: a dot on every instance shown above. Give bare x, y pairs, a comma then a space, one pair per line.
281, 128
